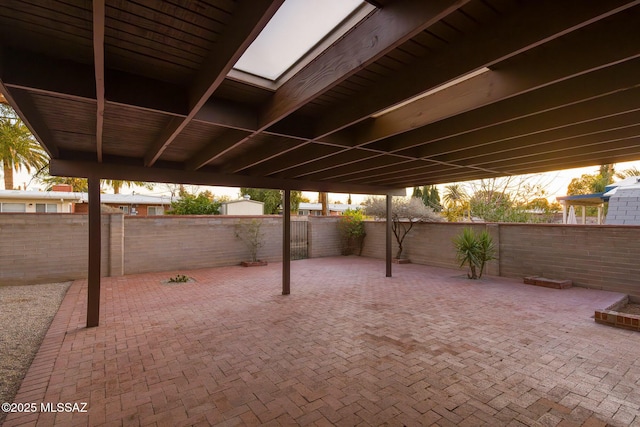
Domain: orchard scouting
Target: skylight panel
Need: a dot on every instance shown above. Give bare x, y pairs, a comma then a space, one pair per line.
292, 32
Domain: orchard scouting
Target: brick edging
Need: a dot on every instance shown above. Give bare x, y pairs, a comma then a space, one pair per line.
36, 382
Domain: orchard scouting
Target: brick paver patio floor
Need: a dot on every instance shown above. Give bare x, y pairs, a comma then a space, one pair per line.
348, 347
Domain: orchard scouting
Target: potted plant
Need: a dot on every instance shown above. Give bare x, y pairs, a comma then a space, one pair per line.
474, 250
251, 235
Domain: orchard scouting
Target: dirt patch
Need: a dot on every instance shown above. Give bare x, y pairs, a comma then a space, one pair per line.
629, 309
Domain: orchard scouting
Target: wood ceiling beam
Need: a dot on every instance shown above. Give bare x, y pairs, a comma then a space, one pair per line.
22, 103
506, 38
122, 171
623, 125
553, 66
507, 119
70, 80
604, 156
567, 116
622, 150
621, 139
385, 30
312, 152
249, 19
99, 70
218, 145
382, 32
584, 88
559, 60
617, 110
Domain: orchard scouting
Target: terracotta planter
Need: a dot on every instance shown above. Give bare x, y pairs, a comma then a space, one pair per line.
253, 263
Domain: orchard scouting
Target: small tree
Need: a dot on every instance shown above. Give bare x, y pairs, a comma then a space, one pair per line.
405, 213
351, 227
249, 232
272, 199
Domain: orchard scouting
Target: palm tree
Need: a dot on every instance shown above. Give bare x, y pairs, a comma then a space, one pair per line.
118, 184
454, 195
457, 202
18, 148
632, 171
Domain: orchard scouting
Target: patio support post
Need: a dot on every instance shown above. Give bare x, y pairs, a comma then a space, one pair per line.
286, 242
388, 236
93, 294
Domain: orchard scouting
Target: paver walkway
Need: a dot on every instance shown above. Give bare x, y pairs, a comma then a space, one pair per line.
348, 347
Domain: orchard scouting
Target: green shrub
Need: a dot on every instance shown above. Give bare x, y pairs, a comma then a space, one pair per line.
351, 228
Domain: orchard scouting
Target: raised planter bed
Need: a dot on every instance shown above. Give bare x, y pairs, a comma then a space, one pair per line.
610, 316
548, 283
253, 263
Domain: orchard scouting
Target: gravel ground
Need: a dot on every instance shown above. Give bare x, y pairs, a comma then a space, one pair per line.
25, 315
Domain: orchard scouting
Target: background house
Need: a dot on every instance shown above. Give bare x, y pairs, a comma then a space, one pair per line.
624, 202
62, 200
130, 204
38, 201
315, 209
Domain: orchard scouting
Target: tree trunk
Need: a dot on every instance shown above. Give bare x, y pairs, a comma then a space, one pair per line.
473, 274
8, 175
399, 253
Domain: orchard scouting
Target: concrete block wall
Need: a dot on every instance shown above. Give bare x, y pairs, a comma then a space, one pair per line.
323, 237
164, 243
41, 248
427, 243
599, 257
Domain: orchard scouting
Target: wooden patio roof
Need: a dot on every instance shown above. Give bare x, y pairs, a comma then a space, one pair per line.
141, 90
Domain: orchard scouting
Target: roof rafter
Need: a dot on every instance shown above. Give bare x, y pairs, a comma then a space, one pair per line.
490, 47
98, 65
495, 44
249, 19
385, 30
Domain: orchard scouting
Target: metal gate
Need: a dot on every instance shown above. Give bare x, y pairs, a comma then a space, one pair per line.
299, 240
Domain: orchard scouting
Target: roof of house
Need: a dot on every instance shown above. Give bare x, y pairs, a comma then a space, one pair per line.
242, 201
40, 195
413, 93
336, 207
595, 199
83, 197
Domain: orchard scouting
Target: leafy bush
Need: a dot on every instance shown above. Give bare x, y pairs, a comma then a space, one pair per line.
474, 250
190, 204
351, 228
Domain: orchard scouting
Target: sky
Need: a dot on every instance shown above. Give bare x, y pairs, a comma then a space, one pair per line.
295, 28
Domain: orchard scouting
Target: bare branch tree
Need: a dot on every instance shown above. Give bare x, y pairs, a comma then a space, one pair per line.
405, 213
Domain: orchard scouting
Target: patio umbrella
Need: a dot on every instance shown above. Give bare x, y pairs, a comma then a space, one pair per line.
571, 218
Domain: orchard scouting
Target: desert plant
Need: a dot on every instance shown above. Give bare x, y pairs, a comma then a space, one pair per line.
474, 250
351, 228
180, 278
249, 232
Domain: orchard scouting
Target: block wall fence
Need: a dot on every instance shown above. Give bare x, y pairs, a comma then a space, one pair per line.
42, 248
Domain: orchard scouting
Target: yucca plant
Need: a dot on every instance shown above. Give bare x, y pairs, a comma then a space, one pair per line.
474, 250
